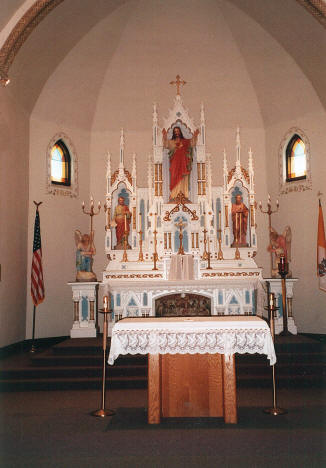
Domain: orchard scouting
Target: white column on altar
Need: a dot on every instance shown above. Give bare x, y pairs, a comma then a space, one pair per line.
85, 309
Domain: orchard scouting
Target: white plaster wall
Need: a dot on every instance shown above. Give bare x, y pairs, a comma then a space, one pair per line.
60, 216
14, 137
300, 211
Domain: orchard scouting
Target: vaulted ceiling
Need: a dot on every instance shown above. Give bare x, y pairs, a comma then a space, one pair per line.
286, 22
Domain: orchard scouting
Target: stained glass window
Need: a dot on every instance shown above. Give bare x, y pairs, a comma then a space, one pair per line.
60, 164
296, 159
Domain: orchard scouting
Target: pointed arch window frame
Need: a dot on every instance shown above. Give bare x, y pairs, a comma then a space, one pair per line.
64, 161
53, 187
298, 184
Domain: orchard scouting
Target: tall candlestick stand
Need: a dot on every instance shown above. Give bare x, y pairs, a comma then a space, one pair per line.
205, 254
269, 212
155, 256
283, 270
91, 211
220, 252
274, 410
102, 412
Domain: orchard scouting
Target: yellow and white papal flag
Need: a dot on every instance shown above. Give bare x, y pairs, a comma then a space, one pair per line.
321, 250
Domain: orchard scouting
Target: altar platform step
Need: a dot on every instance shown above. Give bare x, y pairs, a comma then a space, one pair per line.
77, 364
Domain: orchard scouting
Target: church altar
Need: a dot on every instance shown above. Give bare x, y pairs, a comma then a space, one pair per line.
191, 367
181, 213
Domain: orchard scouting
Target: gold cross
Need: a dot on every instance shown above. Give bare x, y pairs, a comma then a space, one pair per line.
178, 82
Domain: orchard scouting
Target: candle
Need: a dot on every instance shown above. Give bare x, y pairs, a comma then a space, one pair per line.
105, 302
260, 204
140, 215
125, 222
83, 205
236, 226
277, 203
271, 300
99, 205
92, 201
219, 220
240, 218
155, 221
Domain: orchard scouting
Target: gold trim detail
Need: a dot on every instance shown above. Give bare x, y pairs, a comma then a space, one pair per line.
135, 275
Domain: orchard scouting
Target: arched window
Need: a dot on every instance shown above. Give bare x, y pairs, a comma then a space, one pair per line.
296, 159
294, 162
60, 164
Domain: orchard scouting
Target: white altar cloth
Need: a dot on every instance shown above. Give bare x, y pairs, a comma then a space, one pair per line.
191, 335
181, 267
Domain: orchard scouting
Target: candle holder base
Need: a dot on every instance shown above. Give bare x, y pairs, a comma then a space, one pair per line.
285, 333
103, 413
275, 411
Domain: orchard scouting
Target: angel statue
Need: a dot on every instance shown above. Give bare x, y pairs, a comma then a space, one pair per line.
280, 244
84, 256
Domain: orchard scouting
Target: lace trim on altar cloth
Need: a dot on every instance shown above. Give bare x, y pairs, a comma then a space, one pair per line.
226, 341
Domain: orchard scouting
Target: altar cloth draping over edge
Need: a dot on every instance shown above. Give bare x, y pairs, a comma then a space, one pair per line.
185, 335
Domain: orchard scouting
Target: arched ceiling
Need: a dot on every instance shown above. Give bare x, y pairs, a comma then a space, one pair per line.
286, 22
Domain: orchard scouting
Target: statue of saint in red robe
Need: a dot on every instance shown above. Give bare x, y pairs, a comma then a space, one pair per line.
180, 157
122, 218
239, 222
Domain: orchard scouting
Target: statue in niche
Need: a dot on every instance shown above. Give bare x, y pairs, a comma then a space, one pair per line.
84, 256
180, 161
280, 244
239, 214
121, 222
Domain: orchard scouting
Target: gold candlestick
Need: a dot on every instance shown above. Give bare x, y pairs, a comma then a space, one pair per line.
205, 254
155, 256
140, 232
91, 211
141, 255
220, 253
180, 225
102, 412
269, 212
125, 242
237, 252
274, 410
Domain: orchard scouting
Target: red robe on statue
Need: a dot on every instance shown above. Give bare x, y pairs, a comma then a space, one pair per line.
180, 162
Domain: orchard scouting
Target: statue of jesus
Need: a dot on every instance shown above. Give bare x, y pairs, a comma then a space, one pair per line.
180, 157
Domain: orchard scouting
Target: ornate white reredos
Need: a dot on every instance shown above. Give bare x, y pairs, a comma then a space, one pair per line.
206, 214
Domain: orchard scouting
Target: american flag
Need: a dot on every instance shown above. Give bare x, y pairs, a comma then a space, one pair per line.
37, 284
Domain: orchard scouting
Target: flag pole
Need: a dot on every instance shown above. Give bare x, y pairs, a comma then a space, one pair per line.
33, 348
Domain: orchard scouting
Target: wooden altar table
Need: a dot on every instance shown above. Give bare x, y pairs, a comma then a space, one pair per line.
191, 366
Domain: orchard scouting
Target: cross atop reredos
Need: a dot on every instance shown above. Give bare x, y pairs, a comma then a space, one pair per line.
178, 82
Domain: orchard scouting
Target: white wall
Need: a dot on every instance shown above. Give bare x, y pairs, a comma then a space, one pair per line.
60, 216
14, 137
300, 211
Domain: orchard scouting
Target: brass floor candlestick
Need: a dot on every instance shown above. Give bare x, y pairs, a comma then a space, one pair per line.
208, 258
220, 253
274, 410
102, 412
283, 269
155, 256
